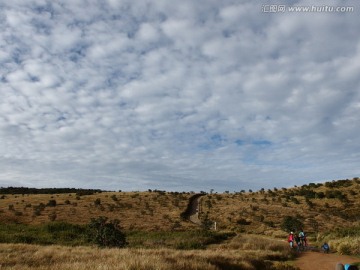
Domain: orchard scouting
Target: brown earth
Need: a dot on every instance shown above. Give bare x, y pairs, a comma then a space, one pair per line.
315, 260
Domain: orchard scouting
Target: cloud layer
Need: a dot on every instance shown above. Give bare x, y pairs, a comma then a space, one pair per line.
179, 96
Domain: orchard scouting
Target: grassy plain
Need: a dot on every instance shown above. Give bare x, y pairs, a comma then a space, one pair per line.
241, 253
48, 231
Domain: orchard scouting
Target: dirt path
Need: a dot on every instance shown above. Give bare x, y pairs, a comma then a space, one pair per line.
194, 212
315, 260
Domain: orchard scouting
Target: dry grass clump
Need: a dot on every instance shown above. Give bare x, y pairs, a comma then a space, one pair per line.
346, 245
254, 242
241, 253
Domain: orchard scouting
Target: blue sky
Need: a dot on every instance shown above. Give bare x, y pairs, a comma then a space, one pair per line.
184, 95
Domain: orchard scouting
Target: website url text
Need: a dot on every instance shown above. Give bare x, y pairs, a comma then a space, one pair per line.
315, 9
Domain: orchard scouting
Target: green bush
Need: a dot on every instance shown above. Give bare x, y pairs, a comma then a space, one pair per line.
51, 203
107, 233
97, 202
58, 233
291, 224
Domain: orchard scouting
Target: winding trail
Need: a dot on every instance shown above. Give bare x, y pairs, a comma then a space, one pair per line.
194, 211
310, 260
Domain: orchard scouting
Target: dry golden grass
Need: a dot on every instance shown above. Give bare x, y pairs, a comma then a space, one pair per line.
150, 211
346, 245
241, 253
263, 212
257, 212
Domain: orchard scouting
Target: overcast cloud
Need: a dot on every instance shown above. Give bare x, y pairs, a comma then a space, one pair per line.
177, 95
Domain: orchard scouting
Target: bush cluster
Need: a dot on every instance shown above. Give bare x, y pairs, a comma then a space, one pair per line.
107, 233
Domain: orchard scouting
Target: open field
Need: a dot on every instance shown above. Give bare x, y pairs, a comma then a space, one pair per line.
50, 231
242, 253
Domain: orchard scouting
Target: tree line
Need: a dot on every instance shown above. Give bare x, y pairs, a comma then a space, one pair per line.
26, 190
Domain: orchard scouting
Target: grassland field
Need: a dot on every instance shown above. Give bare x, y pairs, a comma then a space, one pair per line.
50, 231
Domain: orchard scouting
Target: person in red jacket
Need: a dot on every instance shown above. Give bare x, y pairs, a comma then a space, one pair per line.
291, 239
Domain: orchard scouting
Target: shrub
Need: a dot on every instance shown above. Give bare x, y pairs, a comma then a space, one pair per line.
97, 202
291, 224
269, 223
347, 245
38, 209
243, 221
320, 195
295, 200
52, 216
18, 213
51, 203
309, 203
107, 233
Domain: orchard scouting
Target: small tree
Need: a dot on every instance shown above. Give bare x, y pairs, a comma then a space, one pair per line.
291, 224
97, 202
207, 224
51, 203
107, 233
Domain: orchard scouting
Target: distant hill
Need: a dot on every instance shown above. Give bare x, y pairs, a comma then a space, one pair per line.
320, 207
150, 211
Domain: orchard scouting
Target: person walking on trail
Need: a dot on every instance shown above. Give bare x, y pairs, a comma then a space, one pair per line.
340, 266
325, 247
303, 239
298, 243
291, 239
350, 267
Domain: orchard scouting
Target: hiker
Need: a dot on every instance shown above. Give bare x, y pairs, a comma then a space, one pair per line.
325, 247
340, 266
291, 239
350, 267
298, 242
303, 239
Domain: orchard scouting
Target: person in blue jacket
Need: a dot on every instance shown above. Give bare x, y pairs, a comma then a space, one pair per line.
325, 248
350, 267
340, 266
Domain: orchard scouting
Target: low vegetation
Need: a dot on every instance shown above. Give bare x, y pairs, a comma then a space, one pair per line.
243, 253
318, 207
343, 240
69, 229
137, 211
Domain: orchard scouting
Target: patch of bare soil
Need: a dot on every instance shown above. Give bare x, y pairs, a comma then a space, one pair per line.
310, 260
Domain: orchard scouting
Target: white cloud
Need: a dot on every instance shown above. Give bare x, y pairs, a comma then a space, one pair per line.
137, 95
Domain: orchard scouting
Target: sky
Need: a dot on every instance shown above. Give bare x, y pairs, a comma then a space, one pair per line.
178, 95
